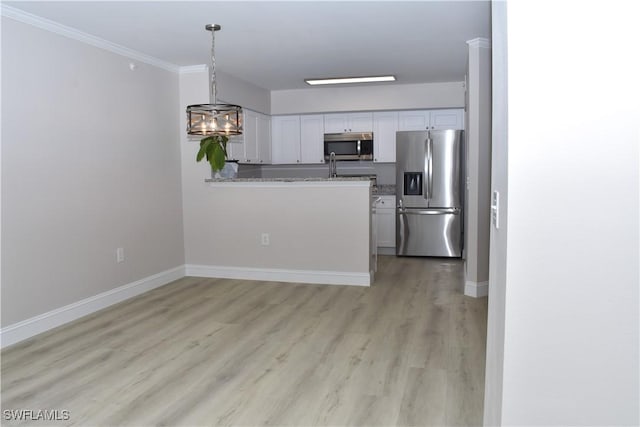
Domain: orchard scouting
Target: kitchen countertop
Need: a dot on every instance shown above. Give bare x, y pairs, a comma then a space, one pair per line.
380, 190
317, 179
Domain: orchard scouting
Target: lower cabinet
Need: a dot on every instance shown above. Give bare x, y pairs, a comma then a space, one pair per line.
385, 222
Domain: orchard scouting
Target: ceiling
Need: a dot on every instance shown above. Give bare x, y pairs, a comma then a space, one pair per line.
276, 45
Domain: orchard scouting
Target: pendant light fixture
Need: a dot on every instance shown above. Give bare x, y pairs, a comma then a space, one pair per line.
214, 119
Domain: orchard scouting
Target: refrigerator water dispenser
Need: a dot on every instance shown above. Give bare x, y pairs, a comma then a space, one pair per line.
412, 184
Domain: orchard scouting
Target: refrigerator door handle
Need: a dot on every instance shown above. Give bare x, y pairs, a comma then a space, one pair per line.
427, 168
430, 182
402, 232
443, 211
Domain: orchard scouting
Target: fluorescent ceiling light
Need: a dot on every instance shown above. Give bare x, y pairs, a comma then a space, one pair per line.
341, 80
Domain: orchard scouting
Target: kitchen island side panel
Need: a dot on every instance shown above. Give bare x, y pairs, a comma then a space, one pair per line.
320, 228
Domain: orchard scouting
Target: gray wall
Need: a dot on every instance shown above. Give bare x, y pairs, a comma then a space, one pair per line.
385, 172
90, 163
478, 148
235, 91
368, 98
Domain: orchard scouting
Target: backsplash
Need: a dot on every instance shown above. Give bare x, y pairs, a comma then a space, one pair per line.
385, 172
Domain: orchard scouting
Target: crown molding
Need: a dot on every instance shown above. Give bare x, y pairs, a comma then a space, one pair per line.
72, 33
480, 42
190, 69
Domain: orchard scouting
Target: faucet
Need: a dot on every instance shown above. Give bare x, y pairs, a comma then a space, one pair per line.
333, 168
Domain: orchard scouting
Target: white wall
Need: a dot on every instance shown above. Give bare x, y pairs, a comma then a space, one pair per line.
498, 236
368, 98
90, 162
571, 322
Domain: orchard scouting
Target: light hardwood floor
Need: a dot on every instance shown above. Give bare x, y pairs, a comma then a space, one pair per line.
409, 350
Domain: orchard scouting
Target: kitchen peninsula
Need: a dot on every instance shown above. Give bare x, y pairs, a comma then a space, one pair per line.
311, 230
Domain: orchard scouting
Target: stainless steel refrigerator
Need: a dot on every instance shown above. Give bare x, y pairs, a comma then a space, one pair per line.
429, 193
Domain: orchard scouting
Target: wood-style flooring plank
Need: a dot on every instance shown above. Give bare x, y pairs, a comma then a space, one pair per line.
408, 350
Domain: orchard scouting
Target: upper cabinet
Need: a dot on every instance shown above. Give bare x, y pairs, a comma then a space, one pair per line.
254, 145
348, 122
263, 138
312, 138
431, 119
298, 139
286, 139
294, 139
385, 126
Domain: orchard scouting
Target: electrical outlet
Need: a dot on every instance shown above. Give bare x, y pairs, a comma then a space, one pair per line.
265, 239
120, 255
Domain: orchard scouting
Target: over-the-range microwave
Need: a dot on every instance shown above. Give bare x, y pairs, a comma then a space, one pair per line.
349, 146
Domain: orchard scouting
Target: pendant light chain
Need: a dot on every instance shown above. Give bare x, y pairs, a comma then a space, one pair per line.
213, 118
213, 66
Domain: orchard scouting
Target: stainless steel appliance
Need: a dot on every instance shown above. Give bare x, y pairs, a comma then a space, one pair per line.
429, 193
349, 146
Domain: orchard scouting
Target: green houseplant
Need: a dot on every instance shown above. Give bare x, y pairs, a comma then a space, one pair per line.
214, 148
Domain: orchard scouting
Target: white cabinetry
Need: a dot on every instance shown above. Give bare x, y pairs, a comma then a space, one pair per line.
431, 119
254, 145
348, 122
385, 126
386, 222
285, 139
312, 138
297, 139
263, 138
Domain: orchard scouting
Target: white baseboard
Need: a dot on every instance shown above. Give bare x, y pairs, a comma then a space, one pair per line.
476, 289
52, 319
280, 275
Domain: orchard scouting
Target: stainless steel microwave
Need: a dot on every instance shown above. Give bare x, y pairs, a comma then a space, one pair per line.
349, 146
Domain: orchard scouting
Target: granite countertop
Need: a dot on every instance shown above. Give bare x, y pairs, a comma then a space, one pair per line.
316, 179
380, 190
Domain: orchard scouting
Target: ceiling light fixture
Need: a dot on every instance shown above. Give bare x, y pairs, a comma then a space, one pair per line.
342, 80
214, 119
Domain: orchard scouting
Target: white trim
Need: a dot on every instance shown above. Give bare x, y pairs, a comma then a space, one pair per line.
72, 33
476, 289
480, 42
280, 275
190, 69
52, 319
285, 182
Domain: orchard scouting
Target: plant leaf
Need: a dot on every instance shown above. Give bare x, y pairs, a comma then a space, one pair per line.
207, 139
204, 146
218, 158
